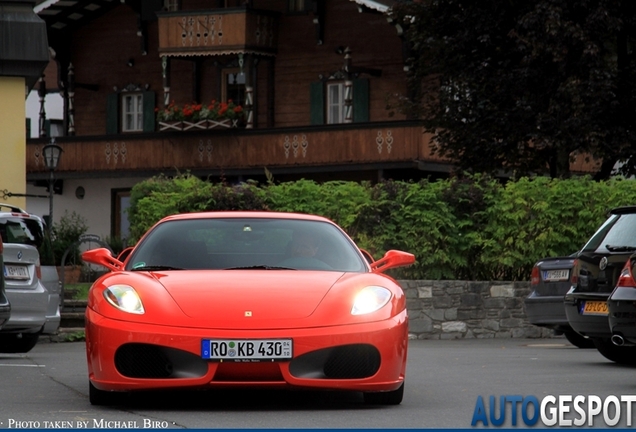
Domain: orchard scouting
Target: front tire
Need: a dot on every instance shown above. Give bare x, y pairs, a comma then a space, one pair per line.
618, 354
101, 397
385, 398
18, 342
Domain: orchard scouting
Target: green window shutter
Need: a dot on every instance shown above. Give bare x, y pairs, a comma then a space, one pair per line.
112, 114
47, 127
360, 100
317, 103
149, 111
28, 128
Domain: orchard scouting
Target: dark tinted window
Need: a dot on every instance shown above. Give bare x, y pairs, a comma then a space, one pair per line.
21, 230
617, 231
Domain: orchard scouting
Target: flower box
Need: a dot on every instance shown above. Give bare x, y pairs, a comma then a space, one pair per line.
200, 117
170, 125
194, 125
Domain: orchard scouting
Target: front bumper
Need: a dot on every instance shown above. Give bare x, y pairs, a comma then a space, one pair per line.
593, 326
109, 341
622, 313
546, 311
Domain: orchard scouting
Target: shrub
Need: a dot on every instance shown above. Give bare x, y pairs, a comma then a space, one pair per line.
65, 233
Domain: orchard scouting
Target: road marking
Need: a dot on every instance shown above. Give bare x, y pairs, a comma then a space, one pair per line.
21, 365
548, 345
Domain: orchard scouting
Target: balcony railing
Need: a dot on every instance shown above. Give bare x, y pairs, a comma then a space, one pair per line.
217, 32
373, 145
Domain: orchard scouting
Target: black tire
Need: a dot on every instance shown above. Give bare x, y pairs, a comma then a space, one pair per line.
578, 341
101, 397
618, 354
385, 398
18, 342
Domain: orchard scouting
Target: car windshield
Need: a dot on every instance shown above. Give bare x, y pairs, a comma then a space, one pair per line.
617, 234
28, 231
246, 243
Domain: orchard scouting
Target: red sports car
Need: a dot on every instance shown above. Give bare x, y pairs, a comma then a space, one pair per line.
246, 299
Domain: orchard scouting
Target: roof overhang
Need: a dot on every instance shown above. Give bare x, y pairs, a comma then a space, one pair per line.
376, 5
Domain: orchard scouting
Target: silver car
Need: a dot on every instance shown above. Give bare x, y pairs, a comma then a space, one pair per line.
22, 234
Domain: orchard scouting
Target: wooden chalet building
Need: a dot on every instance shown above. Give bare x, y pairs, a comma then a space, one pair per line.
313, 78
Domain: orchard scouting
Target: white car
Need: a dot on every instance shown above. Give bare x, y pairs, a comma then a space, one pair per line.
34, 309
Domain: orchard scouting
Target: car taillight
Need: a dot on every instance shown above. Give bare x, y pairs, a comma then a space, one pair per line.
534, 277
574, 277
626, 279
38, 270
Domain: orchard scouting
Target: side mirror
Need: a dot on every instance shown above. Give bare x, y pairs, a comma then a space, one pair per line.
124, 254
392, 259
367, 256
103, 257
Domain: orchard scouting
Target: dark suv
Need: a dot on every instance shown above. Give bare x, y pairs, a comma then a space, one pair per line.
596, 271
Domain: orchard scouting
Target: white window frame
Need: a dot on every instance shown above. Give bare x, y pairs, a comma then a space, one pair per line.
335, 105
132, 112
297, 5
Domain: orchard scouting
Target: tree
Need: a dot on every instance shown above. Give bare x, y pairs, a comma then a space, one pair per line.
522, 85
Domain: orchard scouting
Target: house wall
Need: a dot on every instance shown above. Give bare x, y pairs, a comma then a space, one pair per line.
101, 50
95, 207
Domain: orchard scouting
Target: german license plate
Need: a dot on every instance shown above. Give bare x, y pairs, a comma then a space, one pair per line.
246, 350
16, 272
594, 308
555, 275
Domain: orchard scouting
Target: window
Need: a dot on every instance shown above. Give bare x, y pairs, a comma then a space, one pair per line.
132, 113
297, 5
131, 110
335, 103
327, 101
233, 86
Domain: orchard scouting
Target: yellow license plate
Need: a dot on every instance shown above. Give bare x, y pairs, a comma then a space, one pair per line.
595, 308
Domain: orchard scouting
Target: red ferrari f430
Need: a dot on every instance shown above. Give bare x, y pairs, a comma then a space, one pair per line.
246, 299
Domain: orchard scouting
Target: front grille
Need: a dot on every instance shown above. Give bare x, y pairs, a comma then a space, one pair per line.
352, 361
142, 361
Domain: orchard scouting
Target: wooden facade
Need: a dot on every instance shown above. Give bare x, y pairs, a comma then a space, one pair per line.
183, 56
290, 59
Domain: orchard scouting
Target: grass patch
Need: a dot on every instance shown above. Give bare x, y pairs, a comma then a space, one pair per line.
78, 291
75, 336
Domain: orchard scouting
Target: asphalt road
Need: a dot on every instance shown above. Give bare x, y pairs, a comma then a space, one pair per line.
48, 388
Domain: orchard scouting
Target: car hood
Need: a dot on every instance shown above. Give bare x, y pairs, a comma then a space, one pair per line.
230, 295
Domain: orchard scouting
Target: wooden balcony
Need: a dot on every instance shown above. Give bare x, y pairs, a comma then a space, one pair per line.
240, 151
217, 32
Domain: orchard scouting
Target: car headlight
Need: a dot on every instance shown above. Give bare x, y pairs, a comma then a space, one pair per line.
370, 300
124, 298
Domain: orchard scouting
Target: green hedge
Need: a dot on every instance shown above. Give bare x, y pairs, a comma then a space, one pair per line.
470, 228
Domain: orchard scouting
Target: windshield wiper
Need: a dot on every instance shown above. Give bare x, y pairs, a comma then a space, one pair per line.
612, 248
155, 267
259, 267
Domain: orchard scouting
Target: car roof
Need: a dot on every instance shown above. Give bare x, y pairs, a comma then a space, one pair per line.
16, 211
245, 214
623, 210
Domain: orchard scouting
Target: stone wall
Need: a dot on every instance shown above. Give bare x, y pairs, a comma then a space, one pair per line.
467, 309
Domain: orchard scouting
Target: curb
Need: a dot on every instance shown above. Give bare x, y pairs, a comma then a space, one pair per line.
63, 334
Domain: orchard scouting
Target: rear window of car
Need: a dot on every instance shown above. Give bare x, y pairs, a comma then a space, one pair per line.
617, 232
21, 230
